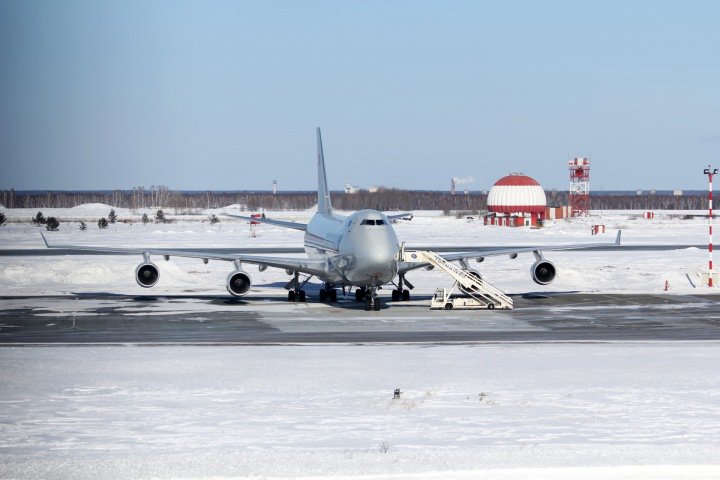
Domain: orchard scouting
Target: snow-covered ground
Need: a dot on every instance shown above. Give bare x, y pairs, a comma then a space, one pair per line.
628, 272
495, 411
547, 411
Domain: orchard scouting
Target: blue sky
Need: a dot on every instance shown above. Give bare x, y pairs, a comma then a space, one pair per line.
226, 95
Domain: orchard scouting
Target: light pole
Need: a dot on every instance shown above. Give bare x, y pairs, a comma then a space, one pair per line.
710, 172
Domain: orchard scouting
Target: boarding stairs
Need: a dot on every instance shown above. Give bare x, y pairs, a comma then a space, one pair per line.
480, 294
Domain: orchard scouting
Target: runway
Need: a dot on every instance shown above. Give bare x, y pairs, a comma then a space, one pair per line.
101, 318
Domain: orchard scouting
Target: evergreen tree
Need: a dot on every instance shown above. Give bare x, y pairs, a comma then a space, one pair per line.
160, 217
112, 217
102, 223
145, 218
83, 226
38, 219
52, 224
3, 219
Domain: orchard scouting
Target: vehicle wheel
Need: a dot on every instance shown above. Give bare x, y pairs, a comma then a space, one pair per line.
448, 306
406, 295
323, 295
302, 295
291, 296
491, 306
395, 295
333, 295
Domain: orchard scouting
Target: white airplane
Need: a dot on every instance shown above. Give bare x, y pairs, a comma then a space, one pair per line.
360, 250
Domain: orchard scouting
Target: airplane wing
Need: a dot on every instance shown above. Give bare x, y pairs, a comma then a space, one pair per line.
494, 251
400, 216
279, 223
300, 264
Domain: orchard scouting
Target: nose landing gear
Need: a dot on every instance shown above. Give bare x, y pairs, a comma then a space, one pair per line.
370, 297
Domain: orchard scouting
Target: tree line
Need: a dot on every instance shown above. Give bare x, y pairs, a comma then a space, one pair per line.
387, 199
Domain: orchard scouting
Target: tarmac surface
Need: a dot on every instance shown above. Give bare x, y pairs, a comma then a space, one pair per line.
103, 318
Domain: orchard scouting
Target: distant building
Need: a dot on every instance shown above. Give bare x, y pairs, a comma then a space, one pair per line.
516, 200
351, 188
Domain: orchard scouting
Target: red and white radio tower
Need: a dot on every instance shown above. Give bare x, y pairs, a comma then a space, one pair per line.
579, 186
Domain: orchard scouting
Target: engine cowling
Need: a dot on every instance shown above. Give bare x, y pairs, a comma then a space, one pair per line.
543, 272
147, 274
473, 273
238, 283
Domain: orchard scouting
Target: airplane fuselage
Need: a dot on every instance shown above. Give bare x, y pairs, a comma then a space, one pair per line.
360, 249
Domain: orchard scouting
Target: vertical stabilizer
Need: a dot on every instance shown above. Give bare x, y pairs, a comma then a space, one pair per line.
324, 205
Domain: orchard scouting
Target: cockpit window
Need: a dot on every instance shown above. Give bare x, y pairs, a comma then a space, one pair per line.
372, 222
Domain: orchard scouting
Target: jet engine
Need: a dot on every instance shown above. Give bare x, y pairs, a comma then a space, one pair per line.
543, 272
238, 283
475, 274
147, 274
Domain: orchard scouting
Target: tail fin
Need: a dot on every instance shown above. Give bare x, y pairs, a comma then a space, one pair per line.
324, 205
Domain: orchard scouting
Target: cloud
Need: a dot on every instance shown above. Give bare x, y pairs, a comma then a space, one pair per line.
463, 180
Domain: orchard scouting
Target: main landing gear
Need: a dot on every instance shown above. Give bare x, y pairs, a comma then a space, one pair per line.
328, 293
297, 294
400, 293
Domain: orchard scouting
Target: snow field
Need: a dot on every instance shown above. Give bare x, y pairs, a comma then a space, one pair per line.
501, 410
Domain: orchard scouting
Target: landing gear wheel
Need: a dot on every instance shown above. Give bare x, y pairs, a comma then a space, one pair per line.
359, 295
395, 295
333, 295
376, 304
323, 295
368, 303
291, 296
406, 295
448, 306
301, 295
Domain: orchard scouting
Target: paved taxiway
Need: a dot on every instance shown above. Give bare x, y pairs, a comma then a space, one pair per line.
99, 318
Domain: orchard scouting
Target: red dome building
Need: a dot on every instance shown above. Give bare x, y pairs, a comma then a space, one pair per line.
516, 200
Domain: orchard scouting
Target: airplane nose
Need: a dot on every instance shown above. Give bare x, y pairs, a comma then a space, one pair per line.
379, 261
